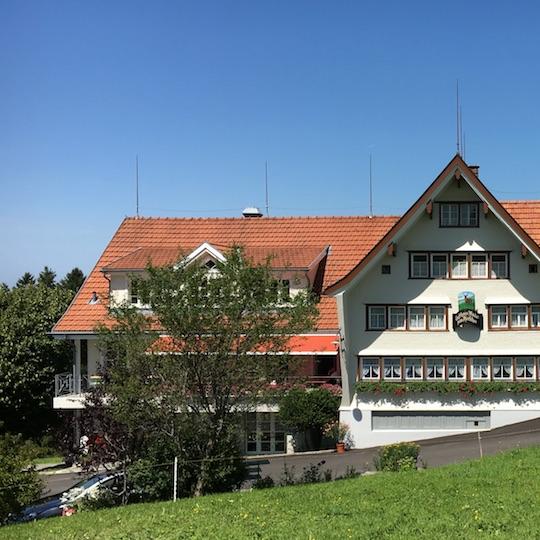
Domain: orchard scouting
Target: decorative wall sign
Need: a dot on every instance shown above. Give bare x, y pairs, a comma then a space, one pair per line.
467, 313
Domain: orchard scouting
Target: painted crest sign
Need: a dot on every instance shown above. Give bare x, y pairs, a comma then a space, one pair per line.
467, 313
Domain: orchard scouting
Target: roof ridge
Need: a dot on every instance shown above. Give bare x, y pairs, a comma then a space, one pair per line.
257, 220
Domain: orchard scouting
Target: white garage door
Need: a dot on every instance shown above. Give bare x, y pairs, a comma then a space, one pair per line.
430, 420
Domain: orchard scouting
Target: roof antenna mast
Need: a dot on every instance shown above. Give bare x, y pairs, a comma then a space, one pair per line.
370, 187
458, 119
137, 184
266, 187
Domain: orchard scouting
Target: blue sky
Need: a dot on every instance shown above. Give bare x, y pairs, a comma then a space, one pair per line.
205, 92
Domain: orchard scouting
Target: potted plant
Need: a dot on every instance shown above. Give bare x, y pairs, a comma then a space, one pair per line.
338, 431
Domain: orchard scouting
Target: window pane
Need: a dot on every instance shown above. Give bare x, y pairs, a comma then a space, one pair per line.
518, 316
468, 215
456, 368
397, 317
502, 368
392, 368
449, 215
437, 318
480, 368
439, 266
417, 318
370, 368
499, 268
524, 367
419, 265
377, 318
535, 316
435, 368
413, 368
459, 266
499, 317
479, 266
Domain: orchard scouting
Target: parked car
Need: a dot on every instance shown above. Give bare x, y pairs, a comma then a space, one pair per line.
61, 504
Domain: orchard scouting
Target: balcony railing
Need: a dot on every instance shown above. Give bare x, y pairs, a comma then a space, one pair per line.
66, 384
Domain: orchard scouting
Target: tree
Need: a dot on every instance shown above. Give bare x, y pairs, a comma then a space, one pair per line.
73, 280
29, 358
47, 277
26, 279
228, 337
19, 483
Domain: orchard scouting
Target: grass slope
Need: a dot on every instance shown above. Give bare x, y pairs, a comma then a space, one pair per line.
497, 497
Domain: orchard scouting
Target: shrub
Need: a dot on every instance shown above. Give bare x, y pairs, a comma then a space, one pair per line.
288, 477
19, 481
397, 457
103, 498
263, 483
148, 483
308, 411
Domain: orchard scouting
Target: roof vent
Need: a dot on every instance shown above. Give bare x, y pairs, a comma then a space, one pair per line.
251, 212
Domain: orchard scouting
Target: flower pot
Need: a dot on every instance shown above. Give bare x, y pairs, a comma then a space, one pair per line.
340, 448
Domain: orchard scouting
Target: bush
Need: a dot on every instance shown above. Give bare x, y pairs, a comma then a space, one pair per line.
264, 483
397, 457
308, 411
148, 483
19, 481
103, 498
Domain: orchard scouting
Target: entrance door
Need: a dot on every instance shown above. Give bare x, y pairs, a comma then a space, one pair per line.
264, 434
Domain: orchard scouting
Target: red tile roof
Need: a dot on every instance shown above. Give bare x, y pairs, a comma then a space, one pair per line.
349, 238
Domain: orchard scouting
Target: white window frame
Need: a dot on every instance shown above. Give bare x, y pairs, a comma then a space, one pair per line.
416, 375
478, 361
425, 262
524, 311
492, 273
452, 360
449, 211
432, 274
498, 361
437, 328
403, 311
461, 255
473, 262
134, 298
492, 316
416, 328
370, 322
535, 314
374, 369
435, 361
520, 361
395, 361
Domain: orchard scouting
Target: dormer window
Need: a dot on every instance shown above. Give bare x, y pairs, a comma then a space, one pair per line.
458, 214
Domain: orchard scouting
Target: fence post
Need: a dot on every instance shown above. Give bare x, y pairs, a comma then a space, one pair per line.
480, 445
175, 478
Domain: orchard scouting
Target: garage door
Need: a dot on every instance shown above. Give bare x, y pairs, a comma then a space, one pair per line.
430, 420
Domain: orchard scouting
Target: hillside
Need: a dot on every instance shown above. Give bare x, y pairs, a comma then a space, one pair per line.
497, 497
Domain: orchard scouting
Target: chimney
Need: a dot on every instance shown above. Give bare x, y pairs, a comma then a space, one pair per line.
251, 212
475, 169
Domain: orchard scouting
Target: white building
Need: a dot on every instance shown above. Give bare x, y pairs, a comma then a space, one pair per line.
390, 319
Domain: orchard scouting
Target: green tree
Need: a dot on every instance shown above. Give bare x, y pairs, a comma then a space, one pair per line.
29, 358
26, 279
228, 337
47, 277
19, 483
308, 411
73, 280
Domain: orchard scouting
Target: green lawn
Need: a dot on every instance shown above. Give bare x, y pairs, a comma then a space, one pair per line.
497, 497
53, 460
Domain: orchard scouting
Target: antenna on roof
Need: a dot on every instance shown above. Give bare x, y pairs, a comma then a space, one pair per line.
137, 184
266, 187
370, 187
464, 146
457, 118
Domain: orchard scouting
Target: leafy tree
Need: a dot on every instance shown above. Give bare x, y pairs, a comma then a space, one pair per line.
19, 483
73, 280
26, 279
47, 277
308, 411
29, 358
228, 338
